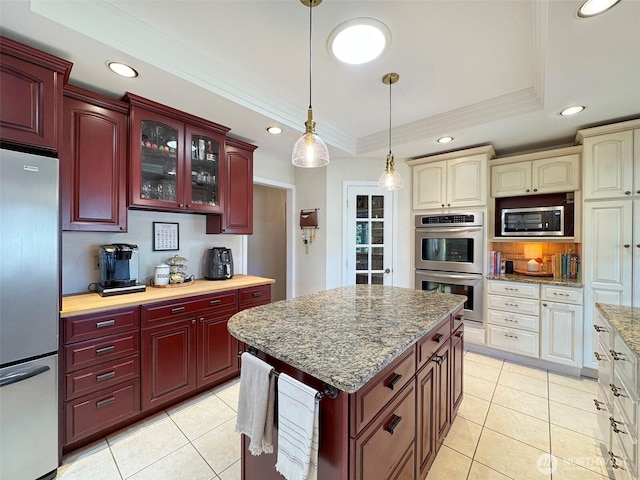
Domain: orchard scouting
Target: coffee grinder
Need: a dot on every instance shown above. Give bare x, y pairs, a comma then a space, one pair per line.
118, 269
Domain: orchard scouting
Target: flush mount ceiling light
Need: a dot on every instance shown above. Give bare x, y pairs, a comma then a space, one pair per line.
274, 130
359, 40
591, 8
122, 69
390, 179
572, 110
310, 151
445, 139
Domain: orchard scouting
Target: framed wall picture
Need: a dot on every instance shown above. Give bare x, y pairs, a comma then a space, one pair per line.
166, 236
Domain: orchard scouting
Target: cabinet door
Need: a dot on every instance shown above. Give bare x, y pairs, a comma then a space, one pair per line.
561, 333
168, 361
93, 168
427, 398
157, 161
443, 405
31, 96
203, 151
429, 185
511, 179
217, 349
608, 165
635, 247
457, 354
467, 182
558, 174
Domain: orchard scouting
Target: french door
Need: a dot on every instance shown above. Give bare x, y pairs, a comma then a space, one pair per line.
369, 235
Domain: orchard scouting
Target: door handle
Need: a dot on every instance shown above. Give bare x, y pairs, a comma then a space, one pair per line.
23, 375
396, 378
395, 421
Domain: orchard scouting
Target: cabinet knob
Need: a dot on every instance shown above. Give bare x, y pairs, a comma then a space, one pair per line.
544, 305
443, 205
180, 205
627, 192
188, 205
626, 245
535, 189
193, 322
638, 245
527, 190
448, 204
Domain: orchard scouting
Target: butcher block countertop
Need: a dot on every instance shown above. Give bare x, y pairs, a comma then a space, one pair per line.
346, 335
92, 302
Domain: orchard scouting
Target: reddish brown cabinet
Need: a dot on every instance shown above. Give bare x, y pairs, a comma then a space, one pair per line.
31, 96
457, 369
93, 162
176, 159
217, 350
238, 189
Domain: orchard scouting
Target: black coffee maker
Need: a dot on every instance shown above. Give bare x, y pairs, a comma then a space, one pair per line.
118, 269
219, 264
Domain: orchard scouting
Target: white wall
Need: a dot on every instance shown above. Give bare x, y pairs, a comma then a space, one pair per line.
80, 248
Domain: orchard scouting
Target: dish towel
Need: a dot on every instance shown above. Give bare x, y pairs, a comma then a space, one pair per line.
298, 429
256, 403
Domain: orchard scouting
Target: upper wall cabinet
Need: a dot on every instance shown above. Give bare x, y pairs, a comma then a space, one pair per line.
612, 160
451, 180
31, 96
93, 162
552, 171
176, 160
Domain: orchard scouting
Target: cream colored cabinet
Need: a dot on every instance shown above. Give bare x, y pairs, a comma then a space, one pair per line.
561, 322
612, 160
554, 171
451, 180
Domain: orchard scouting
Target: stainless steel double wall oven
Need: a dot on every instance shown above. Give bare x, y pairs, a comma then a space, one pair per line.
449, 256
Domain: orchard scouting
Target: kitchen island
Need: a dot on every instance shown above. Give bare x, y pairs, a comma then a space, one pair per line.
392, 355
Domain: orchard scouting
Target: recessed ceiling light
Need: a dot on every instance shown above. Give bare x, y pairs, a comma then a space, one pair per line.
359, 40
274, 130
122, 69
591, 8
572, 110
445, 139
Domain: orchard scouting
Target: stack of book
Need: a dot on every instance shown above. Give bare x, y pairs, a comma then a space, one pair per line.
565, 266
496, 264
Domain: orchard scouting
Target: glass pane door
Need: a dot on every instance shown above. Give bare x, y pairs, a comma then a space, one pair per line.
159, 161
205, 158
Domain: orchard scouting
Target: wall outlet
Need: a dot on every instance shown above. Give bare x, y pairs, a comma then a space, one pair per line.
96, 262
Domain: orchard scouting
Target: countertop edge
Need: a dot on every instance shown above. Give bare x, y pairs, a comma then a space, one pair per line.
621, 318
536, 280
84, 303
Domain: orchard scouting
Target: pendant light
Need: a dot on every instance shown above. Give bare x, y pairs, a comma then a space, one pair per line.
390, 179
310, 151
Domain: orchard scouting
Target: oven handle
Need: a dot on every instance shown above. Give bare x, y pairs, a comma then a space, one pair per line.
449, 230
454, 276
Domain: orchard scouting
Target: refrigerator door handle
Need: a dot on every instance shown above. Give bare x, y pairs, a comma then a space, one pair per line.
16, 377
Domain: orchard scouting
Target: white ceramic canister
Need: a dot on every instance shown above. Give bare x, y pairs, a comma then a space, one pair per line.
161, 276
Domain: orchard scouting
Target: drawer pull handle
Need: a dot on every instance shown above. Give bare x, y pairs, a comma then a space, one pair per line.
395, 421
177, 310
106, 323
438, 359
511, 289
599, 357
560, 294
510, 320
105, 402
508, 335
459, 317
598, 403
105, 376
438, 337
215, 302
392, 383
515, 305
614, 425
257, 294
616, 391
598, 328
460, 334
103, 350
614, 460
616, 355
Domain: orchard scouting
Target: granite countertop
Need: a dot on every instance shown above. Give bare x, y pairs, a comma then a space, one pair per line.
346, 335
626, 320
92, 302
539, 280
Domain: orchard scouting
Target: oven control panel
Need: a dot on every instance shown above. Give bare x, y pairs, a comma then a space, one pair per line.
466, 219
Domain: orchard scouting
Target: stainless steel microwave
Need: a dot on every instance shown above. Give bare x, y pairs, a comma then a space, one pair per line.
533, 222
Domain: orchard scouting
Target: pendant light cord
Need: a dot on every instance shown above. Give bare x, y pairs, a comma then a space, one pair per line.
390, 115
310, 26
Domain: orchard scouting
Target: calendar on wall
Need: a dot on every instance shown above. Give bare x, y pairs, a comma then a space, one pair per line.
166, 236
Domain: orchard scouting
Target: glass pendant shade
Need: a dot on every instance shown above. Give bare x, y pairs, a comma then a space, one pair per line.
310, 151
390, 179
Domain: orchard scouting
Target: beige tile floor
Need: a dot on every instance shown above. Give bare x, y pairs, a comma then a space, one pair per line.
515, 422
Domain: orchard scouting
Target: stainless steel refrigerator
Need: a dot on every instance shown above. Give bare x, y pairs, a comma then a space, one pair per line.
29, 306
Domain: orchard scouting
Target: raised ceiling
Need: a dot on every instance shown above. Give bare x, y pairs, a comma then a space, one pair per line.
482, 71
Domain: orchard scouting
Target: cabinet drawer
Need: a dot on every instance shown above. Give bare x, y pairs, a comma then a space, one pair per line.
98, 377
625, 401
605, 332
162, 311
370, 399
514, 320
518, 341
605, 373
625, 364
626, 439
382, 446
92, 352
457, 319
91, 414
252, 296
433, 341
514, 304
85, 327
560, 294
516, 289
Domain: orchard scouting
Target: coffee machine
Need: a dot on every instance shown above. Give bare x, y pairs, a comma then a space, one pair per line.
118, 269
219, 264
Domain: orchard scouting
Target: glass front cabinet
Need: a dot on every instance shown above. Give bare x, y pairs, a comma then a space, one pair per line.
175, 160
